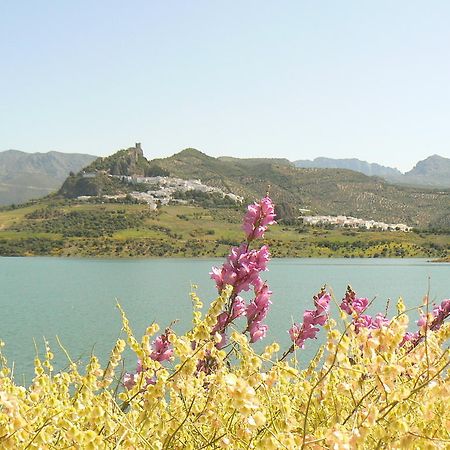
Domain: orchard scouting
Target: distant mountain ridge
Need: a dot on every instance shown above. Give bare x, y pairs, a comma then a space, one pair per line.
433, 171
370, 169
24, 176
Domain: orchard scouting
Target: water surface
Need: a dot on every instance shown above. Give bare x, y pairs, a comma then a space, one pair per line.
75, 299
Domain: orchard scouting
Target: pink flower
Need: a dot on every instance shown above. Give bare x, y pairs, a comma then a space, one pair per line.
129, 380
257, 331
354, 305
257, 312
440, 313
239, 307
161, 347
241, 269
380, 321
322, 303
409, 337
222, 321
258, 308
311, 318
422, 321
258, 217
351, 304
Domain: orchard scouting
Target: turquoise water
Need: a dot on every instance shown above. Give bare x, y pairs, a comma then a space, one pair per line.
75, 299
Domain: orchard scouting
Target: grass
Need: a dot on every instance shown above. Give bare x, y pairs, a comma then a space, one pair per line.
186, 231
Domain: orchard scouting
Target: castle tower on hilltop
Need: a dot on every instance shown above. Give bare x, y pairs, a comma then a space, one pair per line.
138, 150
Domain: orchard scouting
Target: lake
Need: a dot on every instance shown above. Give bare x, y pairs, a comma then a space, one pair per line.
75, 299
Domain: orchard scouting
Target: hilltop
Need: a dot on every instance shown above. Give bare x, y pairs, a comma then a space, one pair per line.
24, 176
322, 191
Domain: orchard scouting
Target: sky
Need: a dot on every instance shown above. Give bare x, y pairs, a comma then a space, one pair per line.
295, 79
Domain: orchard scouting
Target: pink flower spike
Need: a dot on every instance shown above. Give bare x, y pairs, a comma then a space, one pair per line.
241, 269
258, 217
311, 318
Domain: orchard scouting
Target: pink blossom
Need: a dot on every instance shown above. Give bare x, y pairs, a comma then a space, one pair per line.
322, 303
161, 348
258, 217
354, 305
422, 321
222, 321
362, 321
129, 380
440, 313
257, 312
241, 269
223, 340
239, 307
257, 331
409, 337
258, 308
380, 320
366, 321
350, 303
311, 318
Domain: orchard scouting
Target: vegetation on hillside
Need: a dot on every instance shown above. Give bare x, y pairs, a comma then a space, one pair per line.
70, 228
323, 191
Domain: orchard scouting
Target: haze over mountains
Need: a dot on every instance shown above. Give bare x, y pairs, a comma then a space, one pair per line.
24, 176
433, 171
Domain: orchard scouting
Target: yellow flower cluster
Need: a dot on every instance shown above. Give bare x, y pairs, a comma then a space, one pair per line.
362, 390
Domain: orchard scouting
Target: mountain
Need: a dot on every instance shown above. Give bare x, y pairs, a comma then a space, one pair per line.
94, 179
370, 169
24, 176
323, 191
432, 171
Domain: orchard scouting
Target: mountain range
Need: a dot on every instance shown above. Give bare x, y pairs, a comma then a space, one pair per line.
432, 171
24, 176
322, 191
343, 190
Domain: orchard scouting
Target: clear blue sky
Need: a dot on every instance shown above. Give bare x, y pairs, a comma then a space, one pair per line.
295, 79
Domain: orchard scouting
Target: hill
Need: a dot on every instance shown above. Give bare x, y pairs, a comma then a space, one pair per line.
24, 176
322, 191
70, 228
